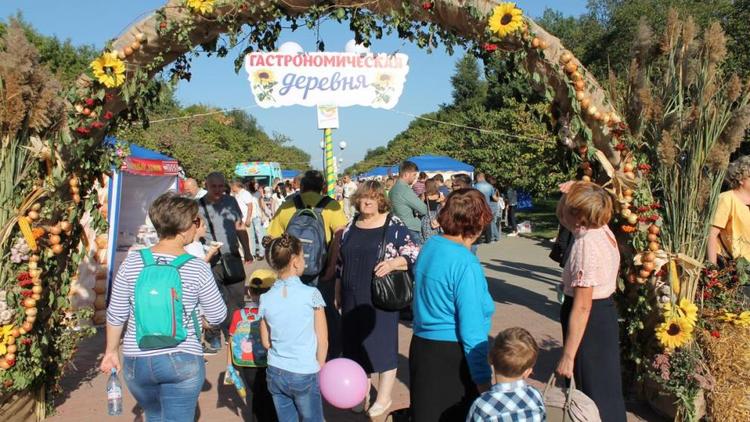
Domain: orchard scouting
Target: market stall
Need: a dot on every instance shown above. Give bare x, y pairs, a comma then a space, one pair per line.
144, 176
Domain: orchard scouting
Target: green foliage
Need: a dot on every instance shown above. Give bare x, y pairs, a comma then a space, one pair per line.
603, 37
468, 87
514, 143
215, 142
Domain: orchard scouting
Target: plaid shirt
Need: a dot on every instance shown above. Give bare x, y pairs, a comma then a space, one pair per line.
508, 402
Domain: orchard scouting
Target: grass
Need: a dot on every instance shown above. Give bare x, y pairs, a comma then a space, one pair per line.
543, 219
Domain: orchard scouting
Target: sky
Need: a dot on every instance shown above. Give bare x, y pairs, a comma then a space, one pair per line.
215, 83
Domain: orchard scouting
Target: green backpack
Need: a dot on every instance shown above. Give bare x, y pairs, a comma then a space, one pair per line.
158, 306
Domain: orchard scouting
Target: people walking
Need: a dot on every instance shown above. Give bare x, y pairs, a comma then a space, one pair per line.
369, 334
226, 226
511, 202
333, 220
348, 189
434, 200
448, 364
164, 374
591, 347
293, 329
405, 203
251, 216
246, 354
192, 189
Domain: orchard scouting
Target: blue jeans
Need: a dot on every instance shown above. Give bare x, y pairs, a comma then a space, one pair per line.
295, 396
416, 237
256, 232
494, 229
166, 386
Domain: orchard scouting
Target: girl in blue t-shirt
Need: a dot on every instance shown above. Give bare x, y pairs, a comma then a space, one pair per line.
293, 329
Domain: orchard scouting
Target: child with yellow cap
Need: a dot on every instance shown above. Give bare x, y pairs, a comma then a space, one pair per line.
246, 353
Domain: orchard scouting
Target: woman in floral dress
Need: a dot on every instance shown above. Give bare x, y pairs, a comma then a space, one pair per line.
370, 335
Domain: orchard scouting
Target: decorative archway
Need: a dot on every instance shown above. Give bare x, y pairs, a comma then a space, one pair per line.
73, 157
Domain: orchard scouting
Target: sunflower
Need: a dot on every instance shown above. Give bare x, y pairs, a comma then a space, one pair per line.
685, 309
4, 334
506, 18
383, 79
743, 319
674, 332
109, 70
263, 77
201, 6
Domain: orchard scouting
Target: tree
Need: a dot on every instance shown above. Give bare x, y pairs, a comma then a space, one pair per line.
216, 142
61, 57
468, 87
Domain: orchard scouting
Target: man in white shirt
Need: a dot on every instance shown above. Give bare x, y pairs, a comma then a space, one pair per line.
350, 186
193, 190
250, 216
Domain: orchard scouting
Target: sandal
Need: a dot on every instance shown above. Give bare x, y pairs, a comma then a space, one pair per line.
378, 409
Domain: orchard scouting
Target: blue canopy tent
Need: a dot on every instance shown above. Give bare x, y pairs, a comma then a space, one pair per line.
438, 164
375, 172
289, 174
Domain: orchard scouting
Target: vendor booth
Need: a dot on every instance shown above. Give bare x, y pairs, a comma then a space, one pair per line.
144, 176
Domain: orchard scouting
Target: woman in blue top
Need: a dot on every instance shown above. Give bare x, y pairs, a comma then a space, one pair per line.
452, 314
294, 330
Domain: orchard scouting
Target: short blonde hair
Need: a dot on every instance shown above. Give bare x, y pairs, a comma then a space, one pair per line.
372, 189
172, 214
738, 171
513, 352
589, 203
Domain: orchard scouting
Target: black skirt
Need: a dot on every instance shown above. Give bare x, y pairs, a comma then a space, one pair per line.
440, 384
596, 367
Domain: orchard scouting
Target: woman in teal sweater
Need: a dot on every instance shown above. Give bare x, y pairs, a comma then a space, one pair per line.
448, 363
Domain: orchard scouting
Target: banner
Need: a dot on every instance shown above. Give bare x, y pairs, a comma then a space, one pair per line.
148, 167
331, 79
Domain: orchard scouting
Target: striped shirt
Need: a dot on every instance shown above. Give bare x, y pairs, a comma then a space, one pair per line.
198, 287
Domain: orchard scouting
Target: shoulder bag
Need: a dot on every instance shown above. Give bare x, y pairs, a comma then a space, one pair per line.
232, 267
395, 290
569, 405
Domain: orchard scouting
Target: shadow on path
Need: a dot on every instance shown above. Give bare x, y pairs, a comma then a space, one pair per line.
83, 368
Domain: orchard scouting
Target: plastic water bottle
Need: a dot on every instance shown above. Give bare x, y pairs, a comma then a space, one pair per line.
114, 394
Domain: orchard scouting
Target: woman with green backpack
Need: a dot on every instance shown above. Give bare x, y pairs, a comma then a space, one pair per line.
157, 292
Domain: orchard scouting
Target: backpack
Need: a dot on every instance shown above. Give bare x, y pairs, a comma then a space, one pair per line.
158, 306
246, 347
307, 225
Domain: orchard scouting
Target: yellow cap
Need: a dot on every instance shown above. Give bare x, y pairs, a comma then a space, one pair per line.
262, 278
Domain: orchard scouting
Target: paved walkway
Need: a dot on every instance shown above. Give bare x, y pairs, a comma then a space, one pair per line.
521, 280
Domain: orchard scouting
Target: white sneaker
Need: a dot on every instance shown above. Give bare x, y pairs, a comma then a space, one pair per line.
512, 234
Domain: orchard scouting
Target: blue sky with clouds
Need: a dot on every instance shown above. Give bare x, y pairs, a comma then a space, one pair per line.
215, 83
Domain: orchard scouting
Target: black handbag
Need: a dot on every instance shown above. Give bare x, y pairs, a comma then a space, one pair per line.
395, 290
232, 267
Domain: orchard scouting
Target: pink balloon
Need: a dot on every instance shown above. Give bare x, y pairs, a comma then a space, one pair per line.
343, 383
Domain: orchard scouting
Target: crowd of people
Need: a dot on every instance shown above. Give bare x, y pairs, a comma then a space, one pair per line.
280, 326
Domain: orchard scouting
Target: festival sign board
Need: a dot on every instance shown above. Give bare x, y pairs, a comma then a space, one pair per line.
331, 79
328, 117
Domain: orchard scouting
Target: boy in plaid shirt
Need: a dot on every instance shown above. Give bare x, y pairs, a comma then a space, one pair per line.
511, 400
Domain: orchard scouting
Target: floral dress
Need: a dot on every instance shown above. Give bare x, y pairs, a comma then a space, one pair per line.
370, 335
